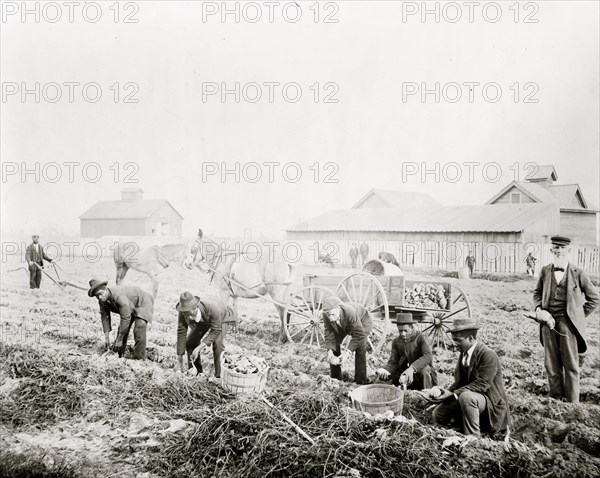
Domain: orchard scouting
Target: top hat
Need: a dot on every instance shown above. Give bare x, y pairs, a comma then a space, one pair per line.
95, 285
187, 302
331, 303
467, 323
560, 240
403, 318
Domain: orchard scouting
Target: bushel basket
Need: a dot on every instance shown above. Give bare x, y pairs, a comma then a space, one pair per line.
378, 399
237, 382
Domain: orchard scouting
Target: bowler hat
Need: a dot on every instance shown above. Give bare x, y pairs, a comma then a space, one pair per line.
95, 285
331, 303
466, 323
403, 318
560, 240
187, 302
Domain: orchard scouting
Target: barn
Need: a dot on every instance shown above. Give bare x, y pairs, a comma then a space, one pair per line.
422, 233
578, 218
132, 215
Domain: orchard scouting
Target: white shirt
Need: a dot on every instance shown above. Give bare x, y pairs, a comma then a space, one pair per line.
467, 356
558, 275
37, 248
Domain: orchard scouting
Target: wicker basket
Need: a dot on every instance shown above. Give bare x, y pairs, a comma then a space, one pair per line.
378, 398
243, 383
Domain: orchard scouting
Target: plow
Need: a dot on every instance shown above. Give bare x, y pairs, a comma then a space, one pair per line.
61, 283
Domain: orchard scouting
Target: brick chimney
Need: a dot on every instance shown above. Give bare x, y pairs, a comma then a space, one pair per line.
132, 194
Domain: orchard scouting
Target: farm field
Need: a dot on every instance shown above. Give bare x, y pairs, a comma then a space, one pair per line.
68, 411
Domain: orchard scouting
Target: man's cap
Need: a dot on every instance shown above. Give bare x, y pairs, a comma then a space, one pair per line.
35, 235
187, 302
95, 286
560, 240
331, 303
467, 323
403, 318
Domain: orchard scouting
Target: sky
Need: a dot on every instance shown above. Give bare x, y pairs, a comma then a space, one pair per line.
328, 105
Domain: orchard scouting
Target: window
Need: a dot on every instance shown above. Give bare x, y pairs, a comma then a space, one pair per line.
515, 198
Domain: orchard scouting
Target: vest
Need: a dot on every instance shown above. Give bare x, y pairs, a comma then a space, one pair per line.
558, 296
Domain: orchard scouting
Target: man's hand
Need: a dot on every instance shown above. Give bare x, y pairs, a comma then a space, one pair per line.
332, 359
383, 374
196, 352
446, 394
543, 316
409, 375
551, 322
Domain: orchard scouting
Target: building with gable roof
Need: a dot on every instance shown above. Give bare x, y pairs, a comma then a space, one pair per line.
132, 215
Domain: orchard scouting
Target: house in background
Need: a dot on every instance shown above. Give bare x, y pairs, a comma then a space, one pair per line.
132, 215
384, 198
578, 218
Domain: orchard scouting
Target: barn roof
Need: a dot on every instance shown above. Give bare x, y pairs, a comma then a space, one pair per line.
563, 194
543, 172
488, 218
120, 209
399, 198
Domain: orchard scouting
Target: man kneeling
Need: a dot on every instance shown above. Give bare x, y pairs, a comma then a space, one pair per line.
477, 398
411, 359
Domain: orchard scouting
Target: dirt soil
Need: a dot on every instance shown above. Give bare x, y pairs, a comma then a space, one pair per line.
69, 410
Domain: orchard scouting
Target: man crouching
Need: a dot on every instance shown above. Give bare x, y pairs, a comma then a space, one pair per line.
476, 400
205, 318
411, 358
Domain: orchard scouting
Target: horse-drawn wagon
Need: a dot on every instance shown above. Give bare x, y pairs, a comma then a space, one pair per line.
380, 287
433, 304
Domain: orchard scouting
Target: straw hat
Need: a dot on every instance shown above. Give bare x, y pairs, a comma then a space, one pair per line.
466, 323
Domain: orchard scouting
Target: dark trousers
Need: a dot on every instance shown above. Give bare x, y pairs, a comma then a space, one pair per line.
426, 378
360, 364
35, 276
193, 340
562, 360
467, 414
139, 335
471, 266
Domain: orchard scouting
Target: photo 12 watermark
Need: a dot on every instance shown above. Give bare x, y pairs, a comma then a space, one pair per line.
69, 172
466, 172
470, 92
271, 12
470, 12
69, 92
269, 172
69, 12
270, 92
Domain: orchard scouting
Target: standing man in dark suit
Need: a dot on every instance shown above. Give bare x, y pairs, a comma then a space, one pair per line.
135, 307
353, 255
470, 263
35, 257
364, 252
342, 319
563, 298
205, 319
477, 398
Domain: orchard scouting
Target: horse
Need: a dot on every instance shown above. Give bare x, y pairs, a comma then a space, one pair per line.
150, 261
236, 274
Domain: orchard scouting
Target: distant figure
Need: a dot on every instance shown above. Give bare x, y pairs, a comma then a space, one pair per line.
530, 261
389, 258
35, 257
354, 255
470, 263
364, 253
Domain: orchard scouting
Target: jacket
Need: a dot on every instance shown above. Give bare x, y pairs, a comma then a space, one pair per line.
213, 314
31, 255
126, 300
355, 320
484, 376
417, 353
582, 298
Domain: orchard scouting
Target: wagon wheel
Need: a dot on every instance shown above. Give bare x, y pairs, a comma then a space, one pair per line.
365, 289
303, 312
439, 329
